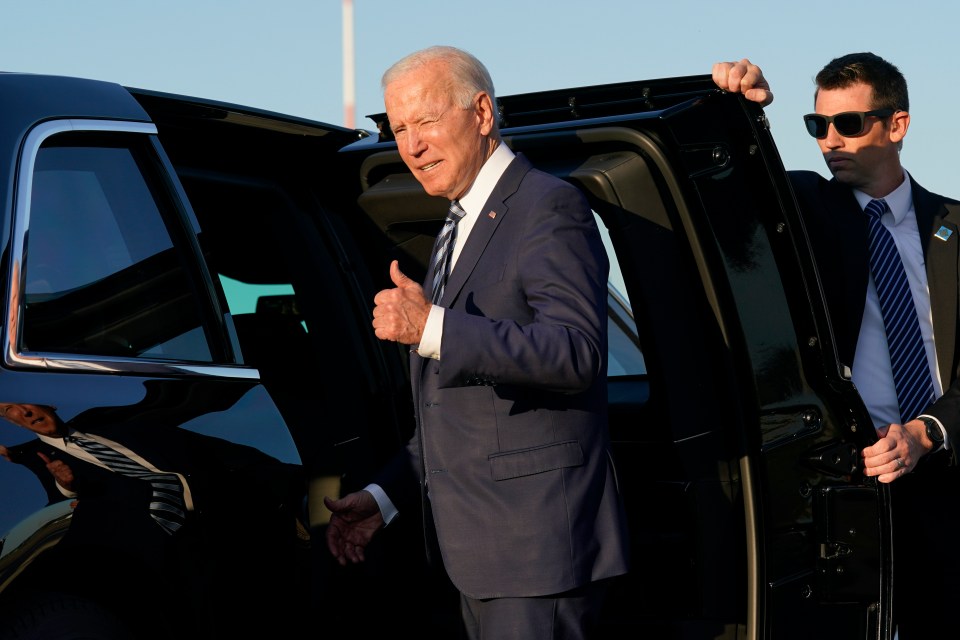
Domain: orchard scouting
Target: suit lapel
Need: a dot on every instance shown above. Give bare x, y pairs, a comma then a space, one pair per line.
846, 232
494, 211
937, 223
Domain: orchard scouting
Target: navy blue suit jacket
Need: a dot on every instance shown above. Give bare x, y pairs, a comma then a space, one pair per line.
511, 422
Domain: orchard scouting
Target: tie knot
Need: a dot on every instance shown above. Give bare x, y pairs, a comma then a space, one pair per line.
876, 208
456, 212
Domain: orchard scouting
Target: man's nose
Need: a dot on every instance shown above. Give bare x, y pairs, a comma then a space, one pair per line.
414, 143
832, 139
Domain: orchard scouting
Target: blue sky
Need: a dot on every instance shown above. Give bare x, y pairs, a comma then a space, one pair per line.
285, 55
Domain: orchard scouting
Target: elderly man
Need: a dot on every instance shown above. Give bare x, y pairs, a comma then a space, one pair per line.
511, 449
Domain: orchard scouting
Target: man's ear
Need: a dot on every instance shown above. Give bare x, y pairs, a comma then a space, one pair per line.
486, 112
899, 123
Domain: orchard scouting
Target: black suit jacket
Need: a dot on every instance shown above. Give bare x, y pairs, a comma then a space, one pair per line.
838, 233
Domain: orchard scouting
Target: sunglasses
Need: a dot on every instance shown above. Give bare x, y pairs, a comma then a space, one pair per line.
848, 124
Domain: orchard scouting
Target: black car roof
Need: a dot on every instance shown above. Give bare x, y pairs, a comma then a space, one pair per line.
28, 98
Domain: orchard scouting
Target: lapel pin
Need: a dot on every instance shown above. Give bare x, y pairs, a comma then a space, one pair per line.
943, 233
492, 215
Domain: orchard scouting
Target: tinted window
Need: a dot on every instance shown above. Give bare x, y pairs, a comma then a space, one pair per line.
102, 274
624, 357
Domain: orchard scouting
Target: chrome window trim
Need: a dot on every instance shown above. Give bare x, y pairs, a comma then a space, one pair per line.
21, 223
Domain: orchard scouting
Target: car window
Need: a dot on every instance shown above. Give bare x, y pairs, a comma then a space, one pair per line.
102, 274
244, 297
624, 357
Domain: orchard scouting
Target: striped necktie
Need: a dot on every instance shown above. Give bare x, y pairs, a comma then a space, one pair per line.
443, 248
911, 372
167, 505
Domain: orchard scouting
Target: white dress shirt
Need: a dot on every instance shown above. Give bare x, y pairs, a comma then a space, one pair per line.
872, 372
472, 203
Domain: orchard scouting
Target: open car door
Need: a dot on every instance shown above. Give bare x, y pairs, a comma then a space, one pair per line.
736, 431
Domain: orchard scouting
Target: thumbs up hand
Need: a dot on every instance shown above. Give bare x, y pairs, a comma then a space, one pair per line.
400, 314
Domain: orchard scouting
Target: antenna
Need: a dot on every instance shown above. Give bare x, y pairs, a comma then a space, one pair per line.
348, 83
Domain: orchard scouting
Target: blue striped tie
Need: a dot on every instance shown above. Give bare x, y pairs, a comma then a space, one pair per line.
443, 248
167, 505
911, 372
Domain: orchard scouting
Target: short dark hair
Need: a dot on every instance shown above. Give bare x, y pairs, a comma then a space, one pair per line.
889, 85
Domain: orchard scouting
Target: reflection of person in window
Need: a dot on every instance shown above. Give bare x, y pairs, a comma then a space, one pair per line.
111, 508
219, 478
52, 431
205, 559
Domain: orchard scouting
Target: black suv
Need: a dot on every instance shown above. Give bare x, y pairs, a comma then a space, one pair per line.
194, 280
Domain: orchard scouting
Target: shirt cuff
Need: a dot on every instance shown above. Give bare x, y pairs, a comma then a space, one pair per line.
387, 509
67, 493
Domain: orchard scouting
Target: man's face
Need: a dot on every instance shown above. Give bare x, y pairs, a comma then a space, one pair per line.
870, 158
35, 417
443, 144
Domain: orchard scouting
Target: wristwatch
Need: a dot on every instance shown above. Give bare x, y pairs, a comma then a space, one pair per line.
933, 432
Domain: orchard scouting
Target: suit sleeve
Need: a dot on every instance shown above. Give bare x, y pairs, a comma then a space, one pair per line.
947, 410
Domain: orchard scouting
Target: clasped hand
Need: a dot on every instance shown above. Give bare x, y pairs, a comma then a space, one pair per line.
897, 451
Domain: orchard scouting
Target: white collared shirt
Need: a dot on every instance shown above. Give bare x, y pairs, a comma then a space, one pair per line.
471, 203
872, 372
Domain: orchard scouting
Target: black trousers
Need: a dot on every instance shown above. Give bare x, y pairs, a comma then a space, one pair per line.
926, 566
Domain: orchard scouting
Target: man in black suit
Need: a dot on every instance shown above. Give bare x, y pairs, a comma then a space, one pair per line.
508, 373
860, 121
